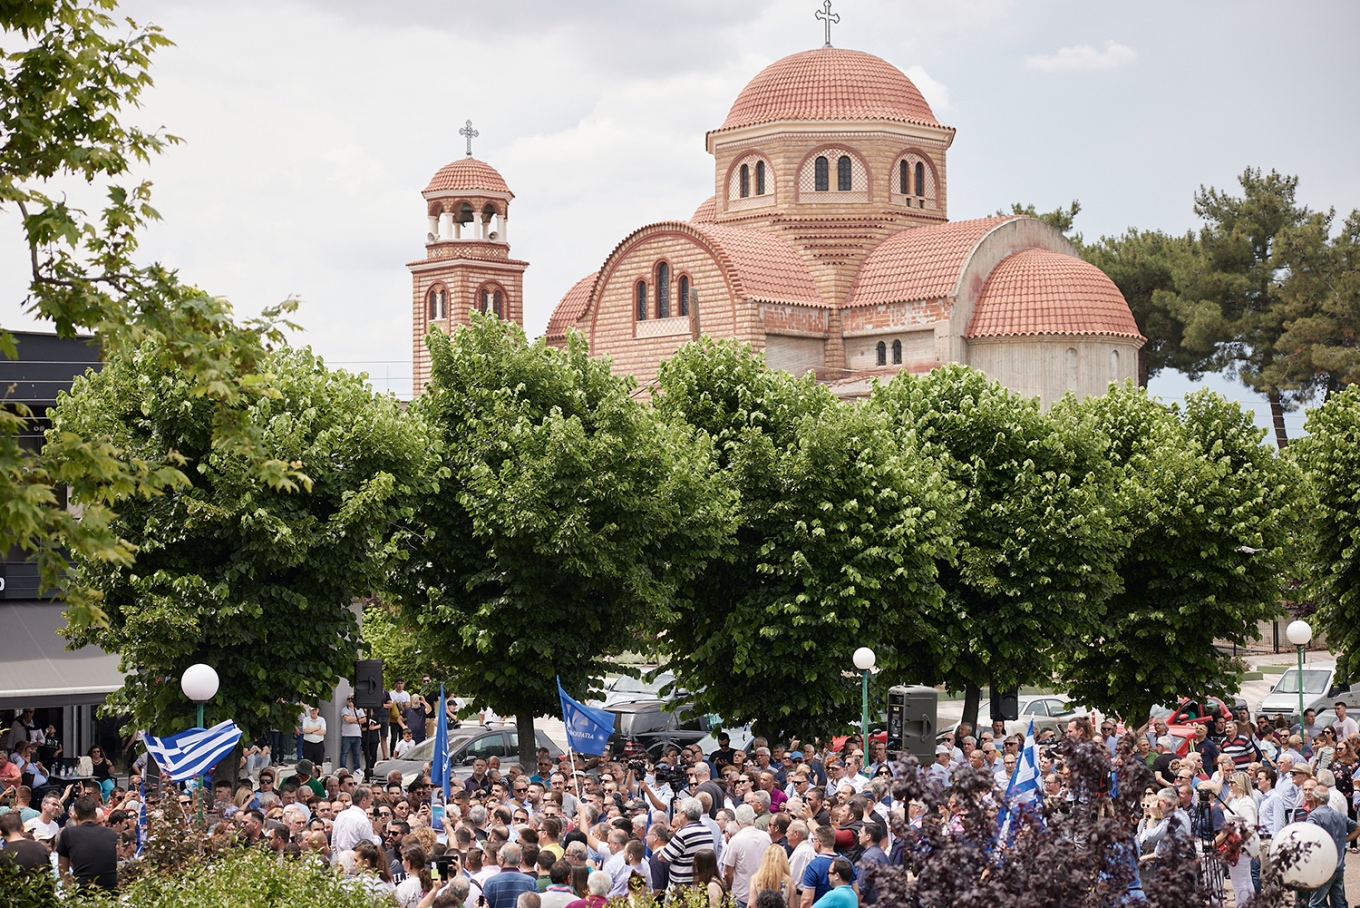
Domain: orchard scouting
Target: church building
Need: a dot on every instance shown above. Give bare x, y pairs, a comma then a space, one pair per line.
826, 245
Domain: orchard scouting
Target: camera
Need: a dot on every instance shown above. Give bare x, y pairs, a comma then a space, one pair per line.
638, 768
1205, 795
666, 774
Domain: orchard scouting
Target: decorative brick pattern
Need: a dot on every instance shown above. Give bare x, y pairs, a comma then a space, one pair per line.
859, 177
1038, 292
735, 202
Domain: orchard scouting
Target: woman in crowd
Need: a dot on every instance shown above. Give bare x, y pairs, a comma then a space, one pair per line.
103, 770
707, 877
418, 882
1241, 822
370, 867
772, 876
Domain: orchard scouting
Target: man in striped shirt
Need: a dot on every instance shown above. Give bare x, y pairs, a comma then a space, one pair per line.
685, 843
1239, 746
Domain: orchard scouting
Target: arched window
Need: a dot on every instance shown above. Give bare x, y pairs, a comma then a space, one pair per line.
663, 290
760, 177
920, 178
821, 174
897, 353
684, 288
903, 177
745, 181
843, 174
1071, 368
882, 353
492, 302
439, 304
641, 301
1114, 365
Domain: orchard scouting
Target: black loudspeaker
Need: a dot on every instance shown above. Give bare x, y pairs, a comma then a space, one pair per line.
1005, 704
368, 684
912, 715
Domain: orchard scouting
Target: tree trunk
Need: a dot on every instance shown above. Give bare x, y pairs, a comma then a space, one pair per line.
528, 743
1143, 366
1277, 416
972, 699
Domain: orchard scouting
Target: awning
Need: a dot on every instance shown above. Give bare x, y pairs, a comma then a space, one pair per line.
37, 670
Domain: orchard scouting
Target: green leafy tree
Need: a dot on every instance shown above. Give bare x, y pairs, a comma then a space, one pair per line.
389, 634
1036, 544
68, 71
569, 520
1237, 283
1330, 458
256, 581
1320, 347
838, 537
1207, 514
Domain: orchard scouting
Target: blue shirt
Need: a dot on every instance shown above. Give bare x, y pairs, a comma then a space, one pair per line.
840, 897
1335, 824
816, 878
503, 889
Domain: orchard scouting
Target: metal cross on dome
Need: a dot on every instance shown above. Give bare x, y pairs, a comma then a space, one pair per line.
471, 133
830, 17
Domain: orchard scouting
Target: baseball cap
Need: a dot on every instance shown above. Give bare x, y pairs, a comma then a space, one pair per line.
941, 749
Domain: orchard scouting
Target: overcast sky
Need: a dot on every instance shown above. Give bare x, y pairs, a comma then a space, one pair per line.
312, 126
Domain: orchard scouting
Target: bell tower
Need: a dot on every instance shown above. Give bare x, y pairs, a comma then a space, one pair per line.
467, 264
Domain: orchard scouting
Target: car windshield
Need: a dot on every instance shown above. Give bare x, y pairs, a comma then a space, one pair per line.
625, 684
1314, 681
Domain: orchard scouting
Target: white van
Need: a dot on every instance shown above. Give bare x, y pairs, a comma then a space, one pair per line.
1320, 692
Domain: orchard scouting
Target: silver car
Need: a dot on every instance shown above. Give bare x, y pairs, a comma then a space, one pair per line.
466, 746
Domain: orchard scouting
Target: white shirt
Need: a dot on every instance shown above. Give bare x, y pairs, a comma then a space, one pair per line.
44, 830
798, 861
314, 738
1345, 728
352, 826
742, 856
350, 729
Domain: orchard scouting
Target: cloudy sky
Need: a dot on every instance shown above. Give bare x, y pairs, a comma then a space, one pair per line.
311, 126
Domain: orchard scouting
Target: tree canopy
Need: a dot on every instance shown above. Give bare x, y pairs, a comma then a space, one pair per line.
1208, 514
256, 581
1036, 544
568, 520
837, 540
69, 74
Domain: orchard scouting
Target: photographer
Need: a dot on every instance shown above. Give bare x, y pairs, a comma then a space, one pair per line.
658, 793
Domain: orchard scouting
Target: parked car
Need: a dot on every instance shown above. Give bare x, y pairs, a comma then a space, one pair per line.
1192, 711
466, 745
1048, 711
650, 725
1320, 692
626, 689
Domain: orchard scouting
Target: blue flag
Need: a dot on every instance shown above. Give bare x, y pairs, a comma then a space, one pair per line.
194, 751
440, 773
588, 728
1024, 786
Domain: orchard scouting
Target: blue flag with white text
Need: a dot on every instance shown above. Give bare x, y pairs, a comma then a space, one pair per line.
440, 772
1024, 785
588, 728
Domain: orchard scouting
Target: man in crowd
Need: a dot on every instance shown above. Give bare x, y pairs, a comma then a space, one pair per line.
18, 848
685, 843
742, 854
503, 889
1342, 830
817, 878
353, 824
87, 852
1344, 725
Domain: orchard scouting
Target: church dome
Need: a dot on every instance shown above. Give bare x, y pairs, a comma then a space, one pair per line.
1037, 291
829, 83
467, 175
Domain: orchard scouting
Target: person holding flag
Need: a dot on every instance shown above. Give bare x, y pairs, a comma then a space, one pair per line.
441, 774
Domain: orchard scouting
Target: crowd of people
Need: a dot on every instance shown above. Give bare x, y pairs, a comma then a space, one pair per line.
767, 826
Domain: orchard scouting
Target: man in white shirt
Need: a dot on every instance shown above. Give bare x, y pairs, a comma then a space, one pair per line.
741, 858
803, 851
24, 729
352, 825
1344, 726
44, 826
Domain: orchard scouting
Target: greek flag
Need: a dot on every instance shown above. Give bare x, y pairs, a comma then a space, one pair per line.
194, 751
588, 728
141, 818
1024, 786
440, 773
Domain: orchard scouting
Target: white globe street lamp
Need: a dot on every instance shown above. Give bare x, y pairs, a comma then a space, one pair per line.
864, 661
199, 683
1299, 633
1314, 854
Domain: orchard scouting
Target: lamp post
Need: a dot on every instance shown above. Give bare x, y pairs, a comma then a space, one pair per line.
199, 683
1299, 633
864, 661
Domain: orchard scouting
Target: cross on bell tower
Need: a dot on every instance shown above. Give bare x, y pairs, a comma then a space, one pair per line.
471, 133
826, 14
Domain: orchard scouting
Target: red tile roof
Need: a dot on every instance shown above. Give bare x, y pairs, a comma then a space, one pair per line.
764, 267
571, 307
706, 212
1041, 292
467, 174
829, 84
918, 263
